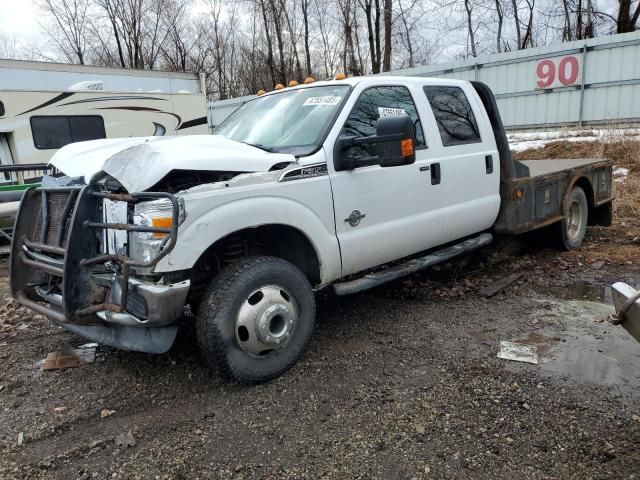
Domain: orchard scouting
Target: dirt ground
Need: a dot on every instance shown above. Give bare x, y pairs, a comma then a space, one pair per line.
400, 382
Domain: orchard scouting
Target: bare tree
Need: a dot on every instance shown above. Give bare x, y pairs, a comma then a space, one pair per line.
500, 22
388, 24
372, 12
524, 31
627, 17
67, 27
468, 8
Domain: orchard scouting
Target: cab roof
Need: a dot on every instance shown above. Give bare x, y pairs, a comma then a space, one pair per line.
373, 80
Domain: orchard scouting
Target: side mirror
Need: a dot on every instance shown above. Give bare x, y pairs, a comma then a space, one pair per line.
395, 153
394, 143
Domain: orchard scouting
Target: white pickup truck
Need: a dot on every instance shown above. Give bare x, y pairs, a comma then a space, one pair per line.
300, 189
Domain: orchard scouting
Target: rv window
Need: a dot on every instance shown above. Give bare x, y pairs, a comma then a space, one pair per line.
57, 131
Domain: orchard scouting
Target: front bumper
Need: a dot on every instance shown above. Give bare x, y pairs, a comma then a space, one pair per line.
58, 268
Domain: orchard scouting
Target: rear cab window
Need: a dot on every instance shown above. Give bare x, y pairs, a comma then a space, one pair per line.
453, 113
373, 103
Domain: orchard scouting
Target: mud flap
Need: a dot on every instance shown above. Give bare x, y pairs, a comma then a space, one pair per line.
602, 215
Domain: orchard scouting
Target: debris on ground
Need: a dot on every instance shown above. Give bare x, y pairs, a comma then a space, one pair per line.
125, 439
59, 409
518, 352
529, 349
499, 285
20, 438
106, 413
73, 358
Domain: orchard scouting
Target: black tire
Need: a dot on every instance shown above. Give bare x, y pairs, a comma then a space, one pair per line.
575, 210
217, 329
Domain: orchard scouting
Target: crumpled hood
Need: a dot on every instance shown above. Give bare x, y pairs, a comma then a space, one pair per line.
139, 163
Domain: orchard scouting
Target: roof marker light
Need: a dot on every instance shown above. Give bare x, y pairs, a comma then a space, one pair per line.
279, 86
340, 76
293, 83
261, 92
309, 80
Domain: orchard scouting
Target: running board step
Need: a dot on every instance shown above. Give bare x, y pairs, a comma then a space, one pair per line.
397, 271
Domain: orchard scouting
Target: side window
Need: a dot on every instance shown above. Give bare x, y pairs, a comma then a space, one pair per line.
454, 115
374, 103
51, 132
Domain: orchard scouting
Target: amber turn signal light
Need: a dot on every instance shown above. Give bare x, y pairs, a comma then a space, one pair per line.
161, 222
406, 147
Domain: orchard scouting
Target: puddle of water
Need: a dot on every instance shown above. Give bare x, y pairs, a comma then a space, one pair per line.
584, 345
593, 350
582, 290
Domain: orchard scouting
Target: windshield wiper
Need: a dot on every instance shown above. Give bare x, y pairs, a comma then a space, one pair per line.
260, 146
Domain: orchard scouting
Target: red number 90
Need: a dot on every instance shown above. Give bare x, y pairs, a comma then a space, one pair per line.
546, 72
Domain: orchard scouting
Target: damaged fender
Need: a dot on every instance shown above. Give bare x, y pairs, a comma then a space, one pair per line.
200, 231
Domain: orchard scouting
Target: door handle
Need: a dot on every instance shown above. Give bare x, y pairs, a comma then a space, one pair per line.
488, 163
435, 173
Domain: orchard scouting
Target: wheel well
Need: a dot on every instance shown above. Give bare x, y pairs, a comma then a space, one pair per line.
281, 241
585, 184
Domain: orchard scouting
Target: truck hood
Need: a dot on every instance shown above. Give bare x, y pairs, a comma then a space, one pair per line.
140, 163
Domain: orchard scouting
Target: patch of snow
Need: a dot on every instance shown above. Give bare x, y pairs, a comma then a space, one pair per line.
621, 173
522, 141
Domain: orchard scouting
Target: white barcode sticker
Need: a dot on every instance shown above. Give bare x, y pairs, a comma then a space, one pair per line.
390, 112
326, 100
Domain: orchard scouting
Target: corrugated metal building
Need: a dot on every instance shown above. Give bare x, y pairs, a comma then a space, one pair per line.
594, 81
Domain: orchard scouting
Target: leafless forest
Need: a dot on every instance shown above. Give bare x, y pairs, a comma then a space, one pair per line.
245, 45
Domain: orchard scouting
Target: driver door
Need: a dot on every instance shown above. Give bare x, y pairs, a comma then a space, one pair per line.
383, 213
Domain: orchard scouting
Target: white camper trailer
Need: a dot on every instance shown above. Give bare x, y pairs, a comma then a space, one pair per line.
44, 106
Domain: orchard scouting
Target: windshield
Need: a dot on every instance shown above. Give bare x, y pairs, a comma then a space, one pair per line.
294, 121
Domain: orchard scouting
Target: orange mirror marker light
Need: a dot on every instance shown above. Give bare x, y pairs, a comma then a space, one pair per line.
406, 147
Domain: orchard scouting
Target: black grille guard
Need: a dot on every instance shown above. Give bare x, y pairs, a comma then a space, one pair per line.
34, 262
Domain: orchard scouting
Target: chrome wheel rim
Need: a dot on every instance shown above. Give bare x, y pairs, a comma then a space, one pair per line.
266, 320
575, 220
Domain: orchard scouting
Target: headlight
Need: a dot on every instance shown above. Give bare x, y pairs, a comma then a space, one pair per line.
143, 246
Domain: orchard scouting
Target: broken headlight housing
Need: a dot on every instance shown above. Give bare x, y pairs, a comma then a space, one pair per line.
144, 246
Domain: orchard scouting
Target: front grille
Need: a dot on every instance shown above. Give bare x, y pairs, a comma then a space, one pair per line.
57, 208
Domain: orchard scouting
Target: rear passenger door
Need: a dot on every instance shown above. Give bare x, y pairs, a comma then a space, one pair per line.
467, 158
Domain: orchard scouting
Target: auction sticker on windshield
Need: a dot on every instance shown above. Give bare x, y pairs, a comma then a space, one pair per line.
326, 100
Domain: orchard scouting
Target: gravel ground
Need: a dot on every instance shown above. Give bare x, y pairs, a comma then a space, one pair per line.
399, 382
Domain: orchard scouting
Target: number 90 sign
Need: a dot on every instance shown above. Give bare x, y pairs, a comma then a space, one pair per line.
557, 72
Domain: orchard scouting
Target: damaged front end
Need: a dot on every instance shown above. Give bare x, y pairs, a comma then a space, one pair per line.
84, 257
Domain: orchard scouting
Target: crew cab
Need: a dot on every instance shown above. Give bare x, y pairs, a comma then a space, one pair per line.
342, 184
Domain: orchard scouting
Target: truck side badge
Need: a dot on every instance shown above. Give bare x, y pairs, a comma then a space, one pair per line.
355, 217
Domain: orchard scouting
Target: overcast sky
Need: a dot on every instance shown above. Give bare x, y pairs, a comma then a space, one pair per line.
18, 18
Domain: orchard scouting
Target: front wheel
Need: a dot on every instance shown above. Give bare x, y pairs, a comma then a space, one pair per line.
256, 319
576, 215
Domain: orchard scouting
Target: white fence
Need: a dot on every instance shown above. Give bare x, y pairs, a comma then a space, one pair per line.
587, 82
